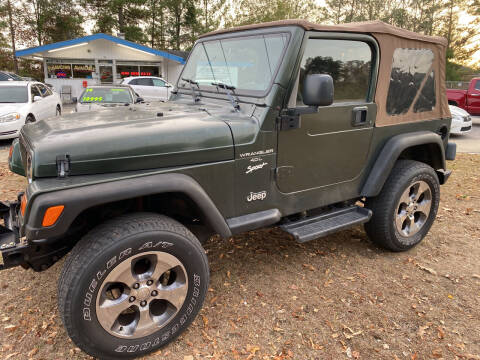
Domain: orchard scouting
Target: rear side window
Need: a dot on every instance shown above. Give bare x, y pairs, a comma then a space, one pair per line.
348, 62
477, 85
412, 82
142, 81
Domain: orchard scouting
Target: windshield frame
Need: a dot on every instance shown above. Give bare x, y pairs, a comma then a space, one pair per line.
239, 92
133, 97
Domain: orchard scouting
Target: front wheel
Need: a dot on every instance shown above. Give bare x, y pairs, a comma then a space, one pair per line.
132, 285
58, 111
406, 207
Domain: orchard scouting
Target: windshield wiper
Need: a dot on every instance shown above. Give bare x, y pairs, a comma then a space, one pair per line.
194, 95
230, 90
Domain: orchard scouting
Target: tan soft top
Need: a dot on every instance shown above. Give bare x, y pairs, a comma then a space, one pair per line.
371, 27
389, 38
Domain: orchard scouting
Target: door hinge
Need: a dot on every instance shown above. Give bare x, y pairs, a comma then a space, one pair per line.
288, 120
63, 165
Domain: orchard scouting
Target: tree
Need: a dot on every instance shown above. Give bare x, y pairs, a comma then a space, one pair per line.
182, 23
255, 11
124, 16
47, 21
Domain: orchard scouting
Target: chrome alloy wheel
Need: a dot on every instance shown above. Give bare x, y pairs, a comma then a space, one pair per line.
142, 294
413, 208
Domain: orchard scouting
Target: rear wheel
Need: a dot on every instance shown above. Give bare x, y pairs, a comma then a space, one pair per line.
132, 285
406, 207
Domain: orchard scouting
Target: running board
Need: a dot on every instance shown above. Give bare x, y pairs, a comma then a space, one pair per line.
321, 225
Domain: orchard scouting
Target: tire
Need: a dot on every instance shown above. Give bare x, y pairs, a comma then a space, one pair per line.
114, 265
406, 208
58, 112
30, 119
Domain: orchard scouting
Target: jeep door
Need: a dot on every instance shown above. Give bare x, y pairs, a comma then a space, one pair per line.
330, 147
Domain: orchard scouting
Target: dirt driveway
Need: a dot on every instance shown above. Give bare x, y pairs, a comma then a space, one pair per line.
338, 297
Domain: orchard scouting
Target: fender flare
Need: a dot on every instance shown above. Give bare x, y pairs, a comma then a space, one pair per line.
390, 153
81, 198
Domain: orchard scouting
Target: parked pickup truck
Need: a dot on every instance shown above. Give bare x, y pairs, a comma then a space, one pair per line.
289, 124
468, 100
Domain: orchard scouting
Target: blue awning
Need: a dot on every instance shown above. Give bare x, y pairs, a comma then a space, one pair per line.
57, 45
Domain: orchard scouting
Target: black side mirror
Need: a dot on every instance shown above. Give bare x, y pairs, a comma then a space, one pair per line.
139, 100
318, 90
74, 100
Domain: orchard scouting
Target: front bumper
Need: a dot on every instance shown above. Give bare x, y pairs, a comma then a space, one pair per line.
11, 129
12, 248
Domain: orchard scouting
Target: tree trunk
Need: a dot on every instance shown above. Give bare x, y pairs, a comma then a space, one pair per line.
12, 36
121, 19
153, 23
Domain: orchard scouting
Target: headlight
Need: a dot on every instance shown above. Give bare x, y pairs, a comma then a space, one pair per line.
9, 117
29, 169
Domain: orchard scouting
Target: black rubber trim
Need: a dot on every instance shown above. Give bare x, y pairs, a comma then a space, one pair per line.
79, 199
451, 152
254, 221
390, 153
443, 175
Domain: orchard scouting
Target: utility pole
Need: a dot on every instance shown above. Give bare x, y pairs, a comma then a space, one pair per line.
12, 36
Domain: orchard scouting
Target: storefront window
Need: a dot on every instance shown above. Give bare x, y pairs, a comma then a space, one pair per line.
59, 71
127, 70
149, 71
83, 71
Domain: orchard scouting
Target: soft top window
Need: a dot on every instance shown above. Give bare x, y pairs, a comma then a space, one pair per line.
412, 82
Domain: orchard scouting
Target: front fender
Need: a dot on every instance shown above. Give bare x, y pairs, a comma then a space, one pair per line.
391, 152
78, 199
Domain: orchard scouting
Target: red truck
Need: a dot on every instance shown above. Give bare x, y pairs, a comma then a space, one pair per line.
466, 99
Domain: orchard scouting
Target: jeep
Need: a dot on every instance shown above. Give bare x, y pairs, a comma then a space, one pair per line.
307, 127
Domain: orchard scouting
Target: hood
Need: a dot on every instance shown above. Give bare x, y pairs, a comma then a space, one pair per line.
7, 108
456, 111
128, 138
95, 107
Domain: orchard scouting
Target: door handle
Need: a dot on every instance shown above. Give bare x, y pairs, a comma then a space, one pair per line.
359, 117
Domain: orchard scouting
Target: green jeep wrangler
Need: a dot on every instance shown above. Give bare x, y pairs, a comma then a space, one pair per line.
308, 127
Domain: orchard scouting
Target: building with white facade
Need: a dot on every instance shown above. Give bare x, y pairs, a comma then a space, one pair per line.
71, 65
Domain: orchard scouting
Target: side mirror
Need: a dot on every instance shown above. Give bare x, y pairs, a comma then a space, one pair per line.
139, 100
318, 90
168, 85
74, 100
37, 98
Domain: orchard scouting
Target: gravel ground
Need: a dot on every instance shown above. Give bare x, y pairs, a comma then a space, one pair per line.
338, 297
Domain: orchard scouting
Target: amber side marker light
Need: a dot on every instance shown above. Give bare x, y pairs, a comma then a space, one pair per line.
10, 153
23, 204
51, 215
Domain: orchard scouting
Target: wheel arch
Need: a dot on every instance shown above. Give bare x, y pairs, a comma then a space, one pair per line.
158, 187
424, 146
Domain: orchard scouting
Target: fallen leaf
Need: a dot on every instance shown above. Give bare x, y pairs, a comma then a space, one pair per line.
10, 328
431, 271
33, 352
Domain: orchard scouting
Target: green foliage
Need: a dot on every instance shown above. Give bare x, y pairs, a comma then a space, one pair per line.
256, 11
123, 16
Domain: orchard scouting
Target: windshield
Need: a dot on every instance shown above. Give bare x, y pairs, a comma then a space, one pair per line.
13, 94
106, 96
246, 63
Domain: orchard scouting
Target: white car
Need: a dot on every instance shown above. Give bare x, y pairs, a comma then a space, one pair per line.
101, 97
461, 121
23, 102
150, 88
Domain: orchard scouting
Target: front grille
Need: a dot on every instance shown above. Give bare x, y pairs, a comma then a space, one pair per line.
8, 132
466, 128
